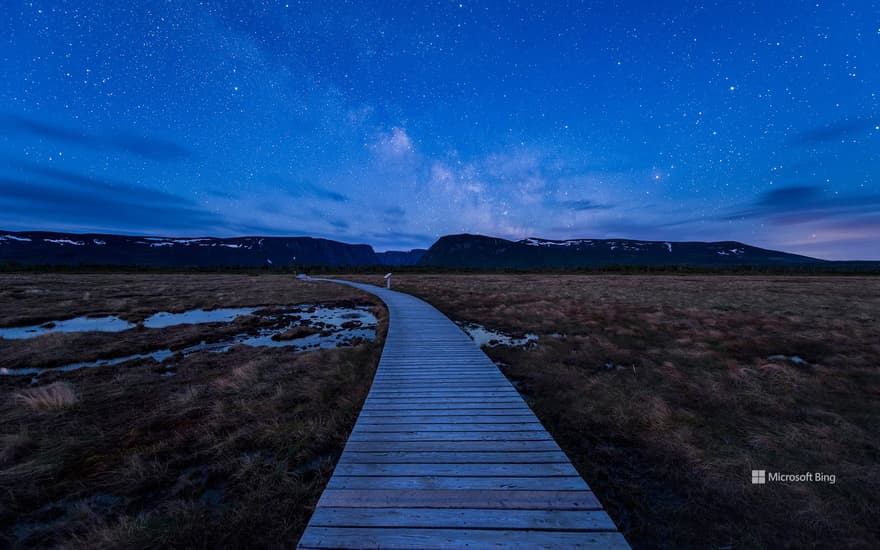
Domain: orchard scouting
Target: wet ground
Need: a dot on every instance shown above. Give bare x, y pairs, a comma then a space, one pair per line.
301, 327
484, 336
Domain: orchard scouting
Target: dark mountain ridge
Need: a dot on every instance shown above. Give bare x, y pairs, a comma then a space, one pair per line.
52, 248
450, 252
479, 252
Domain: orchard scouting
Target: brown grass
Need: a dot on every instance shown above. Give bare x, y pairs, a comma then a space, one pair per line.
32, 299
36, 299
660, 390
231, 452
57, 395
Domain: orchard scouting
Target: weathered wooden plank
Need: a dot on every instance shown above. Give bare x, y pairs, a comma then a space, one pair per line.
459, 446
512, 435
369, 415
443, 394
441, 378
512, 483
431, 390
448, 381
461, 470
447, 457
364, 421
512, 399
503, 406
450, 427
453, 499
406, 539
464, 518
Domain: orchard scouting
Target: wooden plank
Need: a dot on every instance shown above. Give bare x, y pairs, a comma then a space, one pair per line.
464, 518
453, 499
446, 393
459, 470
512, 435
369, 415
448, 457
440, 379
503, 406
385, 400
408, 539
450, 427
511, 483
443, 384
459, 446
447, 419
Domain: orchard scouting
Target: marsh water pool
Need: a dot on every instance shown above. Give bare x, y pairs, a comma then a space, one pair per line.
112, 323
321, 327
483, 336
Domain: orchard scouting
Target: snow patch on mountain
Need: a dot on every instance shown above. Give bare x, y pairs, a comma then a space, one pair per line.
531, 241
188, 242
14, 238
63, 242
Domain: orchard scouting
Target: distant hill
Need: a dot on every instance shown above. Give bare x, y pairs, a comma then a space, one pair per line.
50, 248
479, 252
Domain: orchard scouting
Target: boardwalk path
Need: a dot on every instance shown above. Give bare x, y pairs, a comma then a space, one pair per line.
446, 454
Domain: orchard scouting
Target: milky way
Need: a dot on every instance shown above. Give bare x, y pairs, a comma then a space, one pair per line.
391, 124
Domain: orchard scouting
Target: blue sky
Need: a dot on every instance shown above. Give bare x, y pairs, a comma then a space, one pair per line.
393, 123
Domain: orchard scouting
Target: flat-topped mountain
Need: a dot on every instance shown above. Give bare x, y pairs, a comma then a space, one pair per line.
479, 252
50, 248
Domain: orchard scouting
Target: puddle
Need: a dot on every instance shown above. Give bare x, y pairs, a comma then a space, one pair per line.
330, 328
164, 319
483, 336
80, 324
115, 324
196, 316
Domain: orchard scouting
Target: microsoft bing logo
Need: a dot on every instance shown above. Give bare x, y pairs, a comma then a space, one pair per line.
759, 477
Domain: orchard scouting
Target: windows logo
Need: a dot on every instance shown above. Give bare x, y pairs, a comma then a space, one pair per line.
759, 477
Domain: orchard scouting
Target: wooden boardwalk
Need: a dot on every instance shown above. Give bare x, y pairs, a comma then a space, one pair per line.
446, 454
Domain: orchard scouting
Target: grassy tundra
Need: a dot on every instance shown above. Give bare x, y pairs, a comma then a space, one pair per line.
663, 392
232, 451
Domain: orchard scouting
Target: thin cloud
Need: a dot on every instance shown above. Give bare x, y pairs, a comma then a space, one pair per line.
152, 148
803, 204
584, 205
92, 184
30, 204
836, 131
306, 189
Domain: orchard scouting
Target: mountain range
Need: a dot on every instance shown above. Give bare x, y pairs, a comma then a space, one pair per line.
452, 251
479, 252
49, 248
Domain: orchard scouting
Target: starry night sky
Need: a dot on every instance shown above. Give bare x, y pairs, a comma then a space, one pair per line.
391, 124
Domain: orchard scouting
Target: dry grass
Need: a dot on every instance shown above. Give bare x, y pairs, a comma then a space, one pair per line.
57, 395
231, 452
36, 299
661, 391
31, 299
